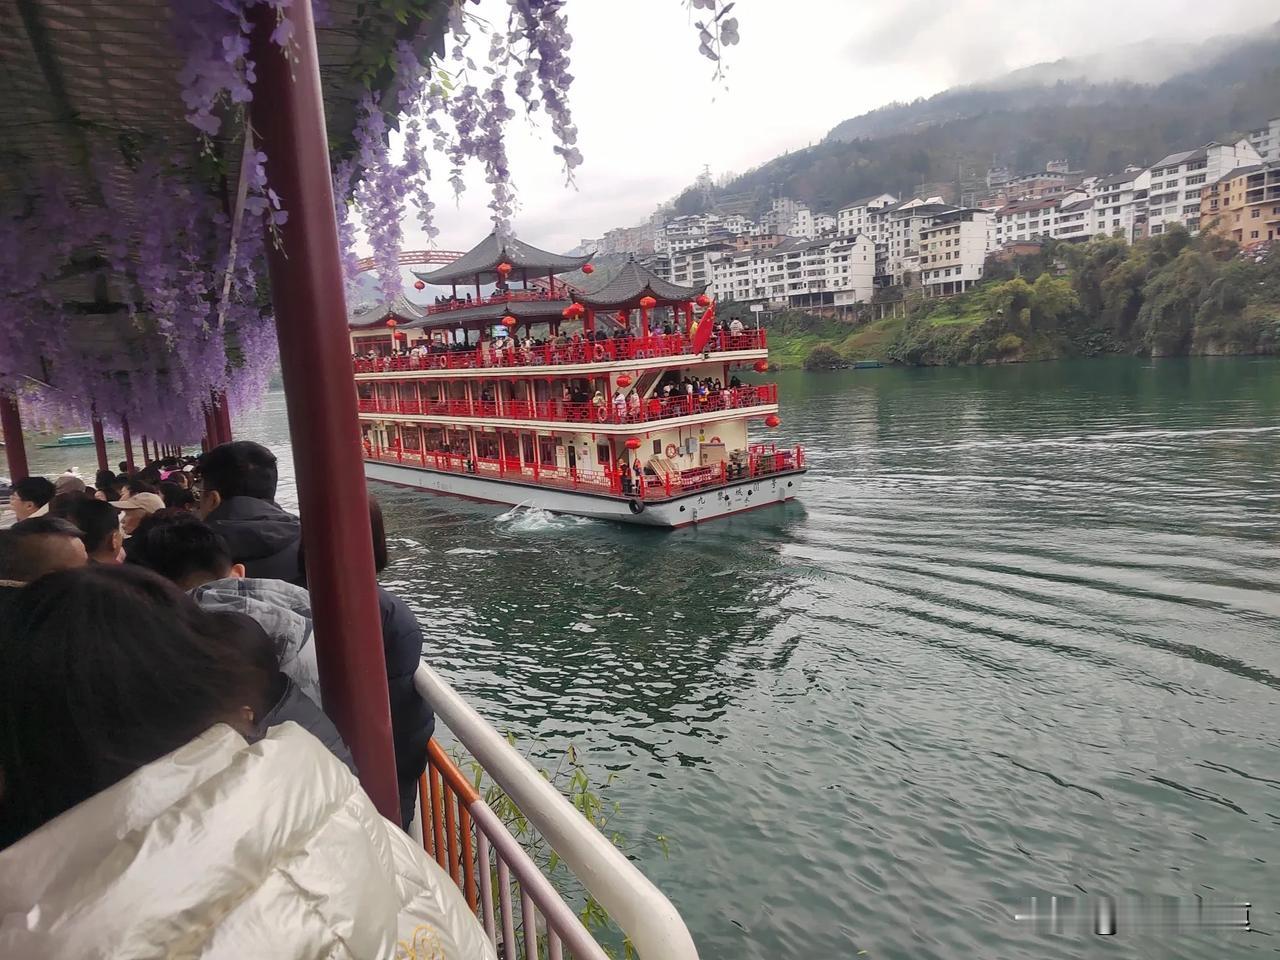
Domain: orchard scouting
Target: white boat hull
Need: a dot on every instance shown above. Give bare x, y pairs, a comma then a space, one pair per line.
696, 507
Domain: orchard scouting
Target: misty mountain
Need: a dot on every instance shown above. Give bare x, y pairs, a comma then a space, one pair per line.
1101, 113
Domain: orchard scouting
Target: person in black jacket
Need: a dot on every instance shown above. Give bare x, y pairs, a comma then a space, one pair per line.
237, 499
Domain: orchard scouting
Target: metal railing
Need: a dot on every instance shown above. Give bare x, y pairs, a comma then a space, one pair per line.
488, 356
470, 842
645, 411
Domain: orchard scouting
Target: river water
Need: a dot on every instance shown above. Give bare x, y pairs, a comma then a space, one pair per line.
1019, 637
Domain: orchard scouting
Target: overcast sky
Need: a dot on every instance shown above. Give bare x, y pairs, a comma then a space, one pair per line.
650, 115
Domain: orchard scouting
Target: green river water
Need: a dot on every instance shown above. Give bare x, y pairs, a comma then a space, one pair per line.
1018, 637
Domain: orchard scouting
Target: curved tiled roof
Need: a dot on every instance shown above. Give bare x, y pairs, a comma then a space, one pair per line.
627, 284
481, 260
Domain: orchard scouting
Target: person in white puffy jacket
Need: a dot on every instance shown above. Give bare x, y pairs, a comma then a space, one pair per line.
136, 819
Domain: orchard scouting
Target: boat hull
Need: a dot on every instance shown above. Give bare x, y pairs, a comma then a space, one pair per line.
697, 506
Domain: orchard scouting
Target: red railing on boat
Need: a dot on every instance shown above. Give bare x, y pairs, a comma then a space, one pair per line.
762, 460
653, 410
514, 296
612, 350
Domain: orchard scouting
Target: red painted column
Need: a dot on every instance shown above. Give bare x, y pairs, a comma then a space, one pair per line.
128, 444
100, 443
224, 413
311, 324
15, 448
146, 454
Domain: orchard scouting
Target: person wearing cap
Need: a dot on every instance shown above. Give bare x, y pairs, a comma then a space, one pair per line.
136, 507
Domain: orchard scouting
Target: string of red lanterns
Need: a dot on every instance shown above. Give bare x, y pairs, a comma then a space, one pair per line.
588, 268
419, 285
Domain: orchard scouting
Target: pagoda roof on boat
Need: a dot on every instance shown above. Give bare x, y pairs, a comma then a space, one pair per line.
628, 284
482, 259
401, 308
422, 318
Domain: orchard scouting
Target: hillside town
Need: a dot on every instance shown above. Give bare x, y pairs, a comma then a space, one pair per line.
794, 257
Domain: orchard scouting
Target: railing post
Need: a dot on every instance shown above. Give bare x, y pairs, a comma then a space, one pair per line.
15, 448
311, 323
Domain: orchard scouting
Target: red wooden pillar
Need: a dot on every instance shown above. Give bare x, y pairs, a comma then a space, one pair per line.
15, 448
146, 455
224, 415
100, 443
311, 324
128, 444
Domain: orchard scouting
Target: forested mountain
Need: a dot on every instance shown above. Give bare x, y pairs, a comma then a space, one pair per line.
1220, 89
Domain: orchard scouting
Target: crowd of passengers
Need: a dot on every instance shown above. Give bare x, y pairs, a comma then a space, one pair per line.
578, 347
170, 781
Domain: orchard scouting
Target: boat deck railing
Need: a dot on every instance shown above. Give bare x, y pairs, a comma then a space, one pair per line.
653, 410
761, 460
500, 880
612, 350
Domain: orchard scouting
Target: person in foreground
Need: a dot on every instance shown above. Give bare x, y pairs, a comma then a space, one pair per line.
237, 499
140, 817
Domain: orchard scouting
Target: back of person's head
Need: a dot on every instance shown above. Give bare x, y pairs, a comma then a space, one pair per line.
38, 546
63, 504
68, 483
241, 468
180, 547
138, 485
380, 557
36, 490
150, 474
103, 670
176, 496
99, 523
104, 478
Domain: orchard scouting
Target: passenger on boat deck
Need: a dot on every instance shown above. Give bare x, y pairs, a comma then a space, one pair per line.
619, 404
99, 523
237, 499
30, 549
30, 497
735, 326
135, 507
633, 403
138, 751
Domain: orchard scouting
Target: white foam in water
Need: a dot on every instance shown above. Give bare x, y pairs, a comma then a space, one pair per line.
523, 518
469, 551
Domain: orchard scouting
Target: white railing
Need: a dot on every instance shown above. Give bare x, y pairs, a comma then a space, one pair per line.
639, 908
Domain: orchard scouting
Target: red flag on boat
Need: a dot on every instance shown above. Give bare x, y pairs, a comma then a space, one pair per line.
701, 332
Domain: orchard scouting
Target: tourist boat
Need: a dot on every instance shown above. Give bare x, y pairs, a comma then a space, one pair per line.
611, 395
71, 440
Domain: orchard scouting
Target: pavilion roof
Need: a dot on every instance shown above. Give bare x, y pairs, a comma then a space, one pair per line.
490, 313
482, 259
401, 308
627, 284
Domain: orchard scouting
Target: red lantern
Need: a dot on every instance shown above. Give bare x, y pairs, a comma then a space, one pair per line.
503, 270
703, 300
648, 302
772, 420
419, 285
760, 366
623, 317
509, 321
567, 312
578, 309
588, 268
624, 380
633, 443
391, 321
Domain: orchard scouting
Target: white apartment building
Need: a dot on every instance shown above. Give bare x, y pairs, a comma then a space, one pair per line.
1120, 203
798, 273
853, 219
1266, 140
953, 250
1074, 219
824, 224
1029, 219
901, 231
693, 266
1178, 179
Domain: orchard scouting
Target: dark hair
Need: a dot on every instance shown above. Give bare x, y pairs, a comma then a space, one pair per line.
63, 504
380, 559
26, 552
176, 496
103, 670
104, 478
177, 544
98, 521
124, 468
37, 490
137, 485
241, 468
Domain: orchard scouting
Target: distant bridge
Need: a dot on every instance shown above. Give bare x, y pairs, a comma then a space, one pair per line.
409, 258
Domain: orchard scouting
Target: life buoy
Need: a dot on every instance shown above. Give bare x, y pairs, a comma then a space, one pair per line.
635, 506
715, 439
602, 413
672, 451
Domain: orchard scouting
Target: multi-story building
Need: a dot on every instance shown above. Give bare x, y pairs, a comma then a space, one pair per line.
1075, 218
902, 236
853, 218
1178, 180
1120, 203
1266, 140
953, 250
1244, 204
694, 265
798, 273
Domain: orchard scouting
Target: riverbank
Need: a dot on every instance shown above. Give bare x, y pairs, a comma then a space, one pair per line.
1170, 295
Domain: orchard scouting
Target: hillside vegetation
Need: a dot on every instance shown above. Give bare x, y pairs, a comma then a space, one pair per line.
954, 136
1166, 296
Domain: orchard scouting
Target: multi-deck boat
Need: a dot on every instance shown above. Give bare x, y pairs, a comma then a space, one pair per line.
612, 395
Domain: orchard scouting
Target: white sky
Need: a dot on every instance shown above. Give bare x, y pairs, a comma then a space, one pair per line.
650, 116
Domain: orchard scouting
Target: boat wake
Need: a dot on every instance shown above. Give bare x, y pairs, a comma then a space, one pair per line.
523, 518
